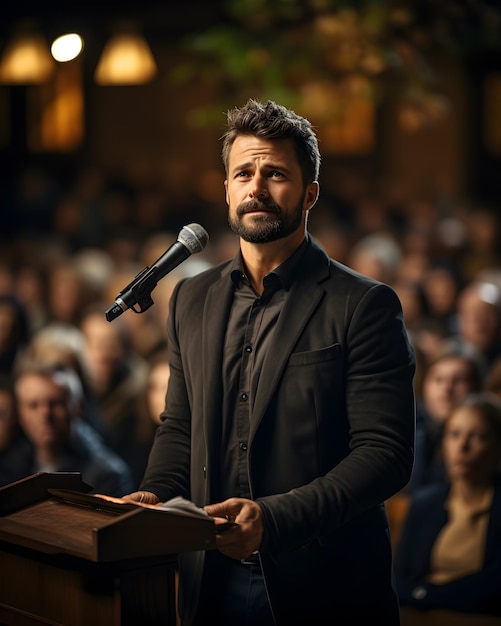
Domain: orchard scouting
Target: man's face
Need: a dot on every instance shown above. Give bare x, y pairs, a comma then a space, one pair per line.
265, 192
43, 408
479, 320
103, 348
446, 383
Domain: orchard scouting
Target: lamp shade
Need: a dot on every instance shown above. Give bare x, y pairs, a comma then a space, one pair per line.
126, 60
26, 60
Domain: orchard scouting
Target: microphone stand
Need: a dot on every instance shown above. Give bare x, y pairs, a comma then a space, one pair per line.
139, 289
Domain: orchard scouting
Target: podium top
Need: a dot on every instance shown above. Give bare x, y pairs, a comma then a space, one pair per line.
54, 514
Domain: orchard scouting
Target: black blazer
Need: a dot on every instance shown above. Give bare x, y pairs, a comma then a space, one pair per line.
477, 593
331, 435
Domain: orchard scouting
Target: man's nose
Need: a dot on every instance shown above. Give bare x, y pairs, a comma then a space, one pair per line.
259, 188
44, 410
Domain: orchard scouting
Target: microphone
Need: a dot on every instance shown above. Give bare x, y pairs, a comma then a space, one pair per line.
191, 240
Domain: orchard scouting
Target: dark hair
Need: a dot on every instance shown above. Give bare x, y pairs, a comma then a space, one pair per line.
453, 353
274, 121
488, 405
492, 380
20, 333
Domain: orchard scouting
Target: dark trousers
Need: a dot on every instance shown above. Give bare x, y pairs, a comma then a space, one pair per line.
232, 593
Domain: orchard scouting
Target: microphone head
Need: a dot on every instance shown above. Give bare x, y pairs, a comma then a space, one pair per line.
194, 237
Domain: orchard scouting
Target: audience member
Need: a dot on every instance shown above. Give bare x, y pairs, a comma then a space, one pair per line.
14, 332
492, 381
441, 287
479, 322
482, 250
152, 407
377, 256
9, 427
413, 304
61, 345
117, 378
449, 553
156, 385
430, 338
69, 291
445, 382
10, 431
7, 280
55, 438
30, 290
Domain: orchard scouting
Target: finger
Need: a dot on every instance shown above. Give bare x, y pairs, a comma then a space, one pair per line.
141, 497
221, 509
103, 496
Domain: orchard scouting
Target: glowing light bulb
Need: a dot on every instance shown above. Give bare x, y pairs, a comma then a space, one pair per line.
66, 47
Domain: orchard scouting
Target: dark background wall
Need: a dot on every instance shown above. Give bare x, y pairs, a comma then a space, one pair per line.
149, 136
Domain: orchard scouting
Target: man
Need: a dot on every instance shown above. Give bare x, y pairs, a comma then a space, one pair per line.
49, 405
290, 408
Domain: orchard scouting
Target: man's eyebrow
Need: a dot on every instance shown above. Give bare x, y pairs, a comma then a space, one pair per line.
242, 166
274, 166
266, 166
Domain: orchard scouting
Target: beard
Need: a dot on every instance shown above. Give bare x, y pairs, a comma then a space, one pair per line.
265, 228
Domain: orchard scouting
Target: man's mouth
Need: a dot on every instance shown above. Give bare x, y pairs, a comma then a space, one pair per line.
257, 208
257, 211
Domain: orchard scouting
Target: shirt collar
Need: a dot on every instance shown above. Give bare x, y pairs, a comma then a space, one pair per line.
284, 273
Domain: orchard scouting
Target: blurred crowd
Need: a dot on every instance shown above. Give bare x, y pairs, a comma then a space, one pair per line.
80, 393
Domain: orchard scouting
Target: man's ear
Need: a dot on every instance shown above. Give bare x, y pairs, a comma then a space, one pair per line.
311, 195
226, 191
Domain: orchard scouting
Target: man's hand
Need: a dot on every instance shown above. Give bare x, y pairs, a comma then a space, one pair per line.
141, 497
242, 540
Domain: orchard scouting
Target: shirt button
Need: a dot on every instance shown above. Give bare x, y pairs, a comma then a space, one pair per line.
258, 302
243, 446
419, 593
244, 396
248, 348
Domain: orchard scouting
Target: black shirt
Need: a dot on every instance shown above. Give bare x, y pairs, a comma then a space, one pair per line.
251, 323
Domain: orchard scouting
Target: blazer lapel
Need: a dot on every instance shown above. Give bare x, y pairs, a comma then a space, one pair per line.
215, 317
300, 304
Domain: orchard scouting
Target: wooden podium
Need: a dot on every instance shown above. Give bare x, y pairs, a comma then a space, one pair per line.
68, 558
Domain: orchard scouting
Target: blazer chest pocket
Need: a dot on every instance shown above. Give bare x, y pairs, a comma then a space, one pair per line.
330, 353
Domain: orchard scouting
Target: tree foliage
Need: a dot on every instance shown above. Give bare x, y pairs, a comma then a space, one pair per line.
287, 49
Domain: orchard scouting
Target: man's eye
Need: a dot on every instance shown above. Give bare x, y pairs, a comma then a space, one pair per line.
276, 174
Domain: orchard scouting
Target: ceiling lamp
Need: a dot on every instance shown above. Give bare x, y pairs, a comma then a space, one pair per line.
126, 60
26, 60
66, 47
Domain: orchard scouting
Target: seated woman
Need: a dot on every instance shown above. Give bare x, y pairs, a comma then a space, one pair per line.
449, 553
